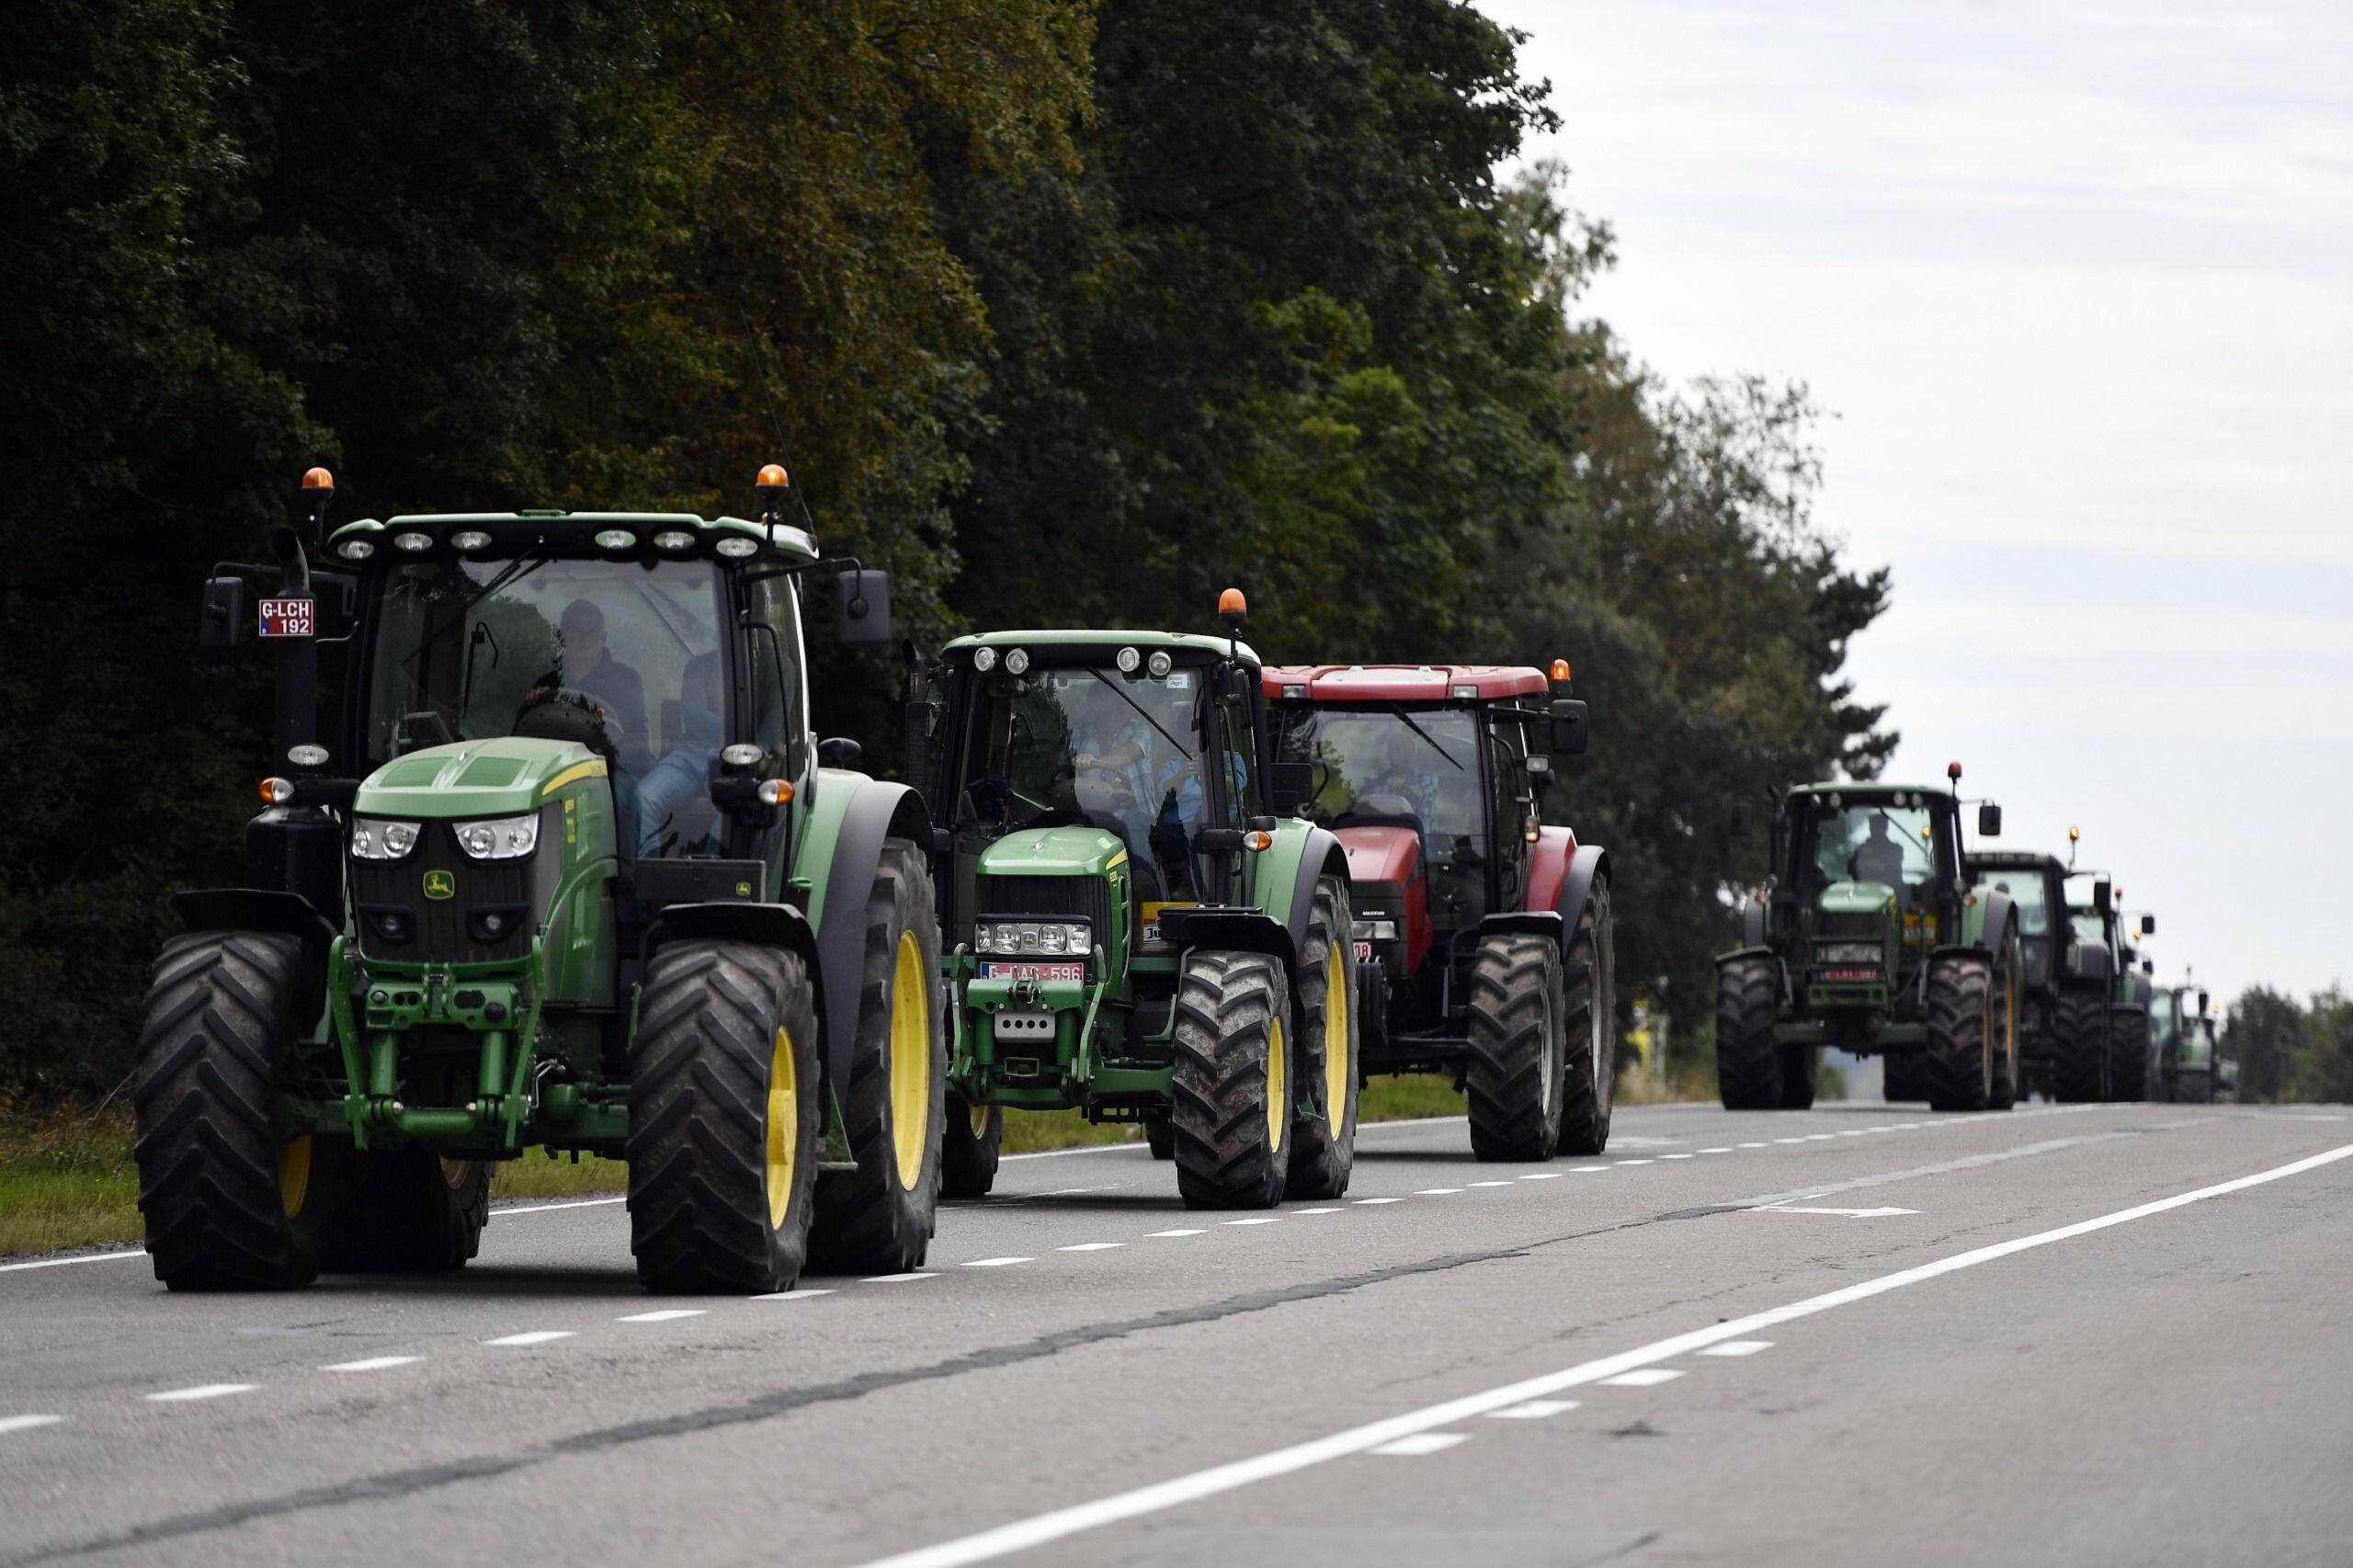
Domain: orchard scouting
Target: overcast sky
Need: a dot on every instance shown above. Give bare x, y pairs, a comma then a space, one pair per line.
2077, 281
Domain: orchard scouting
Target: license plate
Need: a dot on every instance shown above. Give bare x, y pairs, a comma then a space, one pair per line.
287, 618
1364, 950
1033, 971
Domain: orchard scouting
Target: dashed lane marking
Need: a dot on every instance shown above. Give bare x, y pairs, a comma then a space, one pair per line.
1643, 1162
532, 1336
1091, 1247
1643, 1377
201, 1391
1788, 1139
1255, 1220
1542, 1175
1369, 1202
1434, 1191
997, 1262
1678, 1156
373, 1364
26, 1423
1421, 1443
1755, 1145
1534, 1409
1314, 1210
551, 1208
663, 1314
1487, 1184
1583, 1170
1738, 1348
911, 1274
1724, 1149
793, 1295
1151, 1234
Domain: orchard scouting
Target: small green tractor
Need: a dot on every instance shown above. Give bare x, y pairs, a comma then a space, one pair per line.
2186, 1067
2036, 885
1133, 931
1869, 935
563, 866
2102, 1043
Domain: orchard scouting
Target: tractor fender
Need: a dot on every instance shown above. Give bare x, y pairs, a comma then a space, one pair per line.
255, 909
1544, 922
870, 811
1993, 933
768, 925
1228, 929
1589, 863
1752, 923
1320, 856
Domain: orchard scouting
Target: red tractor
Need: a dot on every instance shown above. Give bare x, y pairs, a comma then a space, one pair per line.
1483, 936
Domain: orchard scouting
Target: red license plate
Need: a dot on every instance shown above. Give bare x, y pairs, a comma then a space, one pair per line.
1033, 971
1364, 950
287, 618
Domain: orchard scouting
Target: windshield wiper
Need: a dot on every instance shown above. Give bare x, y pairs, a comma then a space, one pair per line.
1132, 702
1400, 712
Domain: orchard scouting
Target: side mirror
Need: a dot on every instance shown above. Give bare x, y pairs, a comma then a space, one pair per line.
1742, 820
2148, 924
2099, 895
862, 608
1989, 821
223, 623
1568, 727
2204, 1002
1289, 786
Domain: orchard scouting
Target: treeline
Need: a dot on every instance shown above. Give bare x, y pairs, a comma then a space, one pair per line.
1065, 312
2287, 1050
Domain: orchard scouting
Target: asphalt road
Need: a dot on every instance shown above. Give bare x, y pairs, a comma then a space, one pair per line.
1861, 1334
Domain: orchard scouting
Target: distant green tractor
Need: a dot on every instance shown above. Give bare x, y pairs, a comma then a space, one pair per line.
1134, 931
1870, 936
580, 880
2102, 1041
2187, 1065
2036, 885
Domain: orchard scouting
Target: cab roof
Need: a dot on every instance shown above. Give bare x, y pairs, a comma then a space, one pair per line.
1403, 682
783, 537
1871, 791
1188, 642
2016, 858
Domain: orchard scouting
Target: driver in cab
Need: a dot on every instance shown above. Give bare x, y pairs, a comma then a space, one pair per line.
1879, 859
589, 667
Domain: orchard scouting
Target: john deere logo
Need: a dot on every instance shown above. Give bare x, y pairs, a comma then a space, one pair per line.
440, 884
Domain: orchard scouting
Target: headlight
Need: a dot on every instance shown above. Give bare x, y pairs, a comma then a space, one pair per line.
1848, 952
1053, 939
1375, 930
372, 839
500, 838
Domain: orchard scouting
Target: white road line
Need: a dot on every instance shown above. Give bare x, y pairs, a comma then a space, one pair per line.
1487, 1184
1755, 1145
532, 1336
1643, 1377
373, 1364
1083, 1149
1848, 1213
1369, 1202
1723, 1148
1091, 1247
1581, 1170
1312, 1211
1643, 1162
1255, 1219
898, 1279
1534, 1409
1738, 1348
1819, 1136
1421, 1443
551, 1208
1434, 1191
201, 1391
663, 1314
1851, 1132
997, 1262
1542, 1175
1151, 1234
794, 1295
1788, 1139
1678, 1156
26, 1423
1022, 1534
62, 1262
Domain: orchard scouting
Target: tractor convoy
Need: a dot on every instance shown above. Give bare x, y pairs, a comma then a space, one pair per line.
551, 858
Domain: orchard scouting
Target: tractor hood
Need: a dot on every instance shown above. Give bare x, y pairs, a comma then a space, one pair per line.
1857, 898
1072, 851
1389, 856
503, 776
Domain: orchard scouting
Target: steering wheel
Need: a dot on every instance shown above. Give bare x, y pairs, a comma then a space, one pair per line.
565, 713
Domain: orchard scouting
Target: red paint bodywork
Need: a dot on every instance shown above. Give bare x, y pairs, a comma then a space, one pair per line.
1392, 858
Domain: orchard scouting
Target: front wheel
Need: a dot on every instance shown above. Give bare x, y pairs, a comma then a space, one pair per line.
1961, 1046
1513, 1070
1323, 1146
2003, 1091
413, 1210
970, 1143
1232, 1116
1589, 1028
2079, 1047
1749, 1068
723, 1119
2127, 1054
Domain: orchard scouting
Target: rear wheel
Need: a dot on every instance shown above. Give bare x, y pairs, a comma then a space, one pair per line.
1960, 1055
1904, 1076
970, 1143
2079, 1047
1323, 1147
230, 1204
878, 1217
1801, 1070
1748, 1065
723, 1118
2002, 1092
2127, 1054
1513, 1071
413, 1210
1589, 1029
1232, 1117
1160, 1137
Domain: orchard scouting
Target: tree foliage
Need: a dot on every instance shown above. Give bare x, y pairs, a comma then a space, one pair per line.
2287, 1050
1064, 313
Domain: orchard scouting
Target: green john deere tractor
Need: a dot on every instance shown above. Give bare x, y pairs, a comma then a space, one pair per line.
2037, 887
2186, 1062
2101, 1047
1869, 936
1135, 931
562, 864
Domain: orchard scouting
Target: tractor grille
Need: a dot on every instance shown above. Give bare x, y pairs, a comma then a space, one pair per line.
1085, 898
1872, 928
398, 923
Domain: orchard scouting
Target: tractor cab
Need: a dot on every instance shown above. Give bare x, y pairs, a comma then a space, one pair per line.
1872, 875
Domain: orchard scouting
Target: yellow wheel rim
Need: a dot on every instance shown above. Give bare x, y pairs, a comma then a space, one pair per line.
910, 1061
979, 1116
455, 1171
1278, 1083
293, 1175
1336, 1041
784, 1127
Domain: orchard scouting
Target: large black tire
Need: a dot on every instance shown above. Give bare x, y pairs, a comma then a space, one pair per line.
2079, 1047
228, 1204
1160, 1137
1904, 1076
2127, 1054
1589, 1028
412, 1212
1801, 1073
1748, 1065
879, 1217
972, 1137
1323, 1146
1232, 1116
1513, 1071
724, 1127
2003, 1091
1961, 1056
